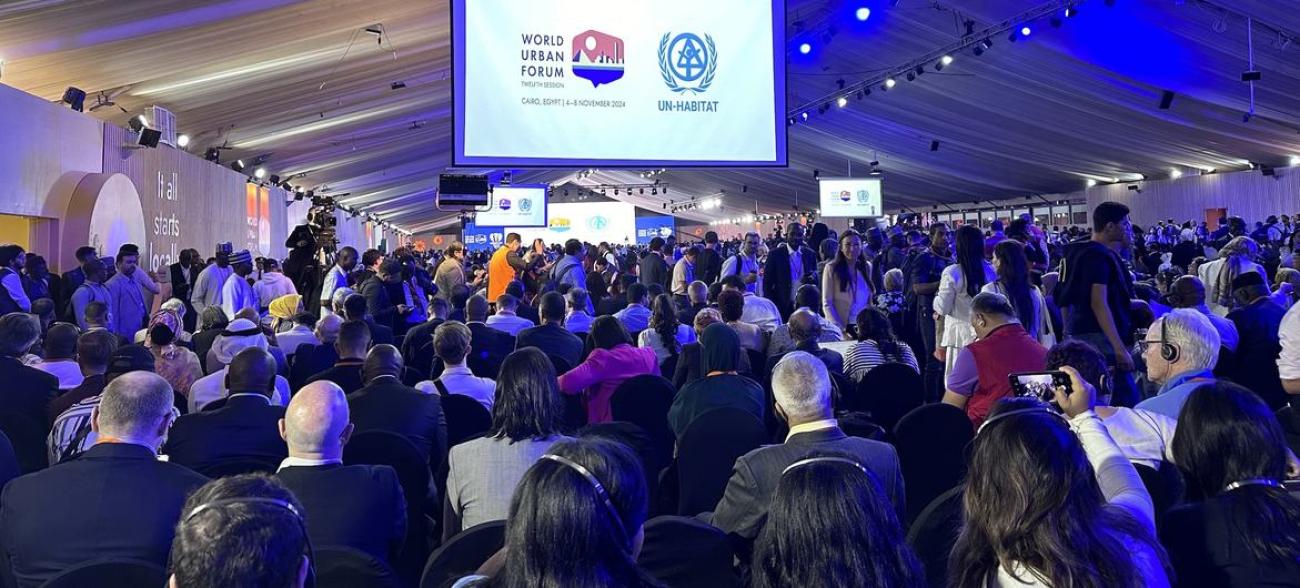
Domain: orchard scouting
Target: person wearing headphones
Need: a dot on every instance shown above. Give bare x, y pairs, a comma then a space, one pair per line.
1180, 351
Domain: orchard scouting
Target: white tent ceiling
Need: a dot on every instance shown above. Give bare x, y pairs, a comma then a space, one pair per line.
301, 82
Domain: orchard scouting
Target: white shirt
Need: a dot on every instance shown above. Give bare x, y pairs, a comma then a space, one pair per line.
748, 265
291, 461
650, 338
334, 279
1288, 362
236, 295
761, 312
272, 285
1145, 437
66, 370
509, 322
813, 426
207, 289
459, 380
213, 386
289, 341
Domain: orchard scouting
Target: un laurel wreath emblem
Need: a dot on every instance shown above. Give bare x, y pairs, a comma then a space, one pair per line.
685, 59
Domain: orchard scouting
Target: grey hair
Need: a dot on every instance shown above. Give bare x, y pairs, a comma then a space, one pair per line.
18, 332
134, 404
698, 291
802, 386
327, 328
992, 303
893, 280
339, 297
1194, 335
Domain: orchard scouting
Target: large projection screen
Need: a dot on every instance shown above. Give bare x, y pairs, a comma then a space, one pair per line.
634, 83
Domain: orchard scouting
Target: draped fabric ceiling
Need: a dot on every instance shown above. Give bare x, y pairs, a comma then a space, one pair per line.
302, 83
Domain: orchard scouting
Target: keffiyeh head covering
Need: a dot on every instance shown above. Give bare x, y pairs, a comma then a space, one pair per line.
239, 335
1236, 255
285, 307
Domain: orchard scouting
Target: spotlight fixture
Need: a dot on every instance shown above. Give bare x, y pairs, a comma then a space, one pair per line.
1166, 99
1025, 31
863, 14
889, 83
1175, 173
1091, 182
182, 141
259, 173
817, 174
840, 83
790, 121
970, 27
934, 145
137, 123
1071, 11
911, 77
275, 180
943, 62
212, 154
75, 98
805, 116
805, 48
1293, 161
842, 102
920, 70
238, 165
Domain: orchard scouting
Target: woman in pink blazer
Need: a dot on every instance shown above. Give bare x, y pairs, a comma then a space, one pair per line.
612, 361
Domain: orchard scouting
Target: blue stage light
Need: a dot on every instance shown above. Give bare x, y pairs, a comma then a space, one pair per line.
863, 13
805, 48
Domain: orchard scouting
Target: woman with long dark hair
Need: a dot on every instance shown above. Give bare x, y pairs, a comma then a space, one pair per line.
959, 284
612, 361
846, 286
576, 520
1051, 502
526, 420
665, 334
877, 344
1012, 269
1246, 531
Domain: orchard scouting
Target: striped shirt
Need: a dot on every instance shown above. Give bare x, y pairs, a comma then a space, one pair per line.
864, 355
74, 424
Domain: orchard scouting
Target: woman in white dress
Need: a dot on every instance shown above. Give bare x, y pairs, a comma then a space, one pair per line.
957, 288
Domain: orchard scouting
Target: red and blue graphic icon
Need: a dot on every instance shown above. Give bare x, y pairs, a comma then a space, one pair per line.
597, 57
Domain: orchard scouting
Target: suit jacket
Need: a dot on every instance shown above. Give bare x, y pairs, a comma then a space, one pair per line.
528, 312
116, 500
386, 404
654, 270
743, 509
380, 334
777, 281
181, 288
708, 267
610, 305
552, 339
246, 427
832, 359
417, 346
382, 306
310, 360
690, 366
357, 506
26, 390
489, 348
346, 373
1258, 348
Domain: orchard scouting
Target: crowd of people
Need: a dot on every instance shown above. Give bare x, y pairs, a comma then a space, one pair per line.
238, 421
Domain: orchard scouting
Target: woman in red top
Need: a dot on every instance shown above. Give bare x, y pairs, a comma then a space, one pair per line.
612, 361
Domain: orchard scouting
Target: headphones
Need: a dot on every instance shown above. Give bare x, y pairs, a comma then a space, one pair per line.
812, 460
1168, 351
302, 525
601, 494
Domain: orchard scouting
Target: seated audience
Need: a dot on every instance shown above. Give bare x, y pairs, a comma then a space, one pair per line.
241, 334
758, 311
615, 297
526, 422
831, 525
491, 346
94, 350
301, 333
877, 345
802, 390
310, 359
505, 319
576, 520
357, 506
721, 386
176, 364
635, 316
523, 309
355, 309
212, 322
731, 305
1288, 359
386, 404
1189, 292
809, 297
1235, 259
1051, 503
245, 428
805, 329
1259, 322
60, 356
689, 360
664, 334
417, 345
1246, 530
612, 361
1002, 347
73, 433
117, 501
352, 344
27, 391
1180, 351
241, 531
577, 320
451, 343
551, 337
891, 300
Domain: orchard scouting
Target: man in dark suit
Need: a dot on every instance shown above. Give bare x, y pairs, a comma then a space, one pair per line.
26, 391
310, 360
354, 307
384, 302
386, 404
1258, 323
528, 311
117, 500
698, 292
551, 337
802, 389
654, 270
708, 265
247, 427
785, 269
351, 345
357, 506
184, 274
72, 279
417, 345
490, 346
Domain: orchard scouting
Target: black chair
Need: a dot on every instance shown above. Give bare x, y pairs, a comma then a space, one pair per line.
669, 366
932, 446
345, 567
1165, 485
466, 418
28, 439
1226, 366
685, 553
575, 413
888, 391
645, 400
1290, 426
561, 365
9, 468
396, 451
934, 533
240, 465
707, 452
757, 367
110, 573
214, 405
462, 555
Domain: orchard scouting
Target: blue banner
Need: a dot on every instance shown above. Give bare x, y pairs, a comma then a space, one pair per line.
484, 238
649, 227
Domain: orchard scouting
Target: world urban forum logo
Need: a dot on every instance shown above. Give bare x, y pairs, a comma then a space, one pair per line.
598, 57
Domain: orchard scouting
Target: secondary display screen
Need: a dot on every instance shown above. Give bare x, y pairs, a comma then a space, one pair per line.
514, 206
850, 198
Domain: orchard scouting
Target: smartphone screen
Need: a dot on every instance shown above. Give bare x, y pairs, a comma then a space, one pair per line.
1040, 385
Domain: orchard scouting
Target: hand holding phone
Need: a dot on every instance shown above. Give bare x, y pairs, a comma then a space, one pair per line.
1040, 385
1080, 397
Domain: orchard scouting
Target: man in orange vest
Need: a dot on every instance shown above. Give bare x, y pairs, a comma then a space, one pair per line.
505, 264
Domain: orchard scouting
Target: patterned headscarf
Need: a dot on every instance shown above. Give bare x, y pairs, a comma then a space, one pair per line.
166, 318
285, 307
1236, 255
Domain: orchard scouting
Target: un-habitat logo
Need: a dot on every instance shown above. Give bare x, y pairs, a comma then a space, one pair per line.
688, 63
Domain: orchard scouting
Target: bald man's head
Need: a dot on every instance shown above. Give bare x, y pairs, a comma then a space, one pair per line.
327, 328
252, 370
315, 425
383, 360
804, 326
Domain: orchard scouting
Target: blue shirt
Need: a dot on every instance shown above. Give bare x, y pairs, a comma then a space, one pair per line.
634, 317
1169, 401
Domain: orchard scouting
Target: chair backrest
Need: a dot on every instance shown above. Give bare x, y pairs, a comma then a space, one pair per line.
240, 465
757, 367
561, 365
110, 573
669, 366
685, 553
214, 405
934, 533
28, 439
932, 443
1165, 485
707, 452
645, 401
888, 391
396, 451
466, 418
462, 555
345, 567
